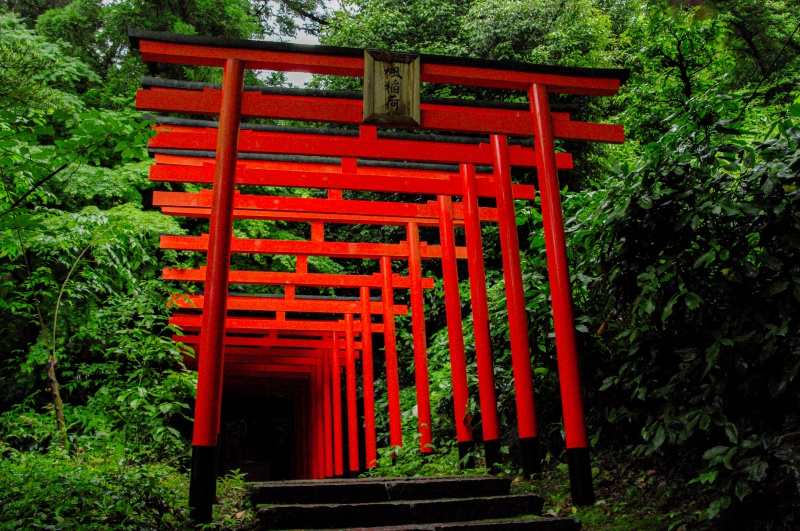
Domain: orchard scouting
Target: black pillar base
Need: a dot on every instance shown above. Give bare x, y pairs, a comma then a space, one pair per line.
580, 476
427, 457
491, 451
352, 474
465, 449
531, 456
203, 484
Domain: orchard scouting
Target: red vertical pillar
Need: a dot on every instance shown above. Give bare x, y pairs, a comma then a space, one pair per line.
327, 416
370, 438
319, 426
336, 378
455, 330
202, 486
307, 473
558, 271
297, 448
352, 396
311, 426
515, 301
420, 341
480, 319
390, 348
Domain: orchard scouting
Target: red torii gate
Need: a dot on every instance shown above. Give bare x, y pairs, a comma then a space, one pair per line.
231, 103
386, 281
194, 204
315, 207
323, 371
372, 212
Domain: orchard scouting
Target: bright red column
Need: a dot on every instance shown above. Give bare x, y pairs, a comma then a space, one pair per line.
370, 436
327, 415
297, 454
338, 455
515, 301
390, 349
480, 318
319, 423
202, 488
352, 396
306, 443
455, 330
561, 295
420, 341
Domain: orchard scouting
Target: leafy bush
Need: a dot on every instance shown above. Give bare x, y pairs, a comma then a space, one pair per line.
702, 270
96, 490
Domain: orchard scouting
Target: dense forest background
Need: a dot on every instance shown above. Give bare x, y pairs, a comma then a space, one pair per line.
684, 246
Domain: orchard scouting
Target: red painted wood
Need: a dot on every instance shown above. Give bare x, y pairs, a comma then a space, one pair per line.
204, 139
346, 65
255, 303
558, 271
336, 389
352, 396
420, 341
370, 436
319, 428
245, 325
366, 179
278, 278
310, 248
480, 309
515, 293
209, 377
390, 352
455, 331
434, 117
323, 210
327, 404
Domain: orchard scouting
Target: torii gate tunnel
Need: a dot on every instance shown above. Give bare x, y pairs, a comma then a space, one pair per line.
302, 344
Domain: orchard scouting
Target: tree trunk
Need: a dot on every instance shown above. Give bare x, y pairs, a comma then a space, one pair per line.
57, 403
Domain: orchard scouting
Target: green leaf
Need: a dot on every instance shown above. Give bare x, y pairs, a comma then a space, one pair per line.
731, 432
715, 452
693, 300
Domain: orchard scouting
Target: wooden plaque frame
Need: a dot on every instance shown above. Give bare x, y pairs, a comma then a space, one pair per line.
391, 88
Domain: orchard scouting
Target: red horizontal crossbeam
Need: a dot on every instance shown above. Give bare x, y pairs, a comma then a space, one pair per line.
266, 370
350, 62
278, 278
433, 117
245, 325
254, 353
307, 209
395, 251
236, 358
270, 304
269, 340
366, 146
365, 179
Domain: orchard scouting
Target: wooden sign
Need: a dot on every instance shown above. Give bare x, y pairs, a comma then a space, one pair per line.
391, 88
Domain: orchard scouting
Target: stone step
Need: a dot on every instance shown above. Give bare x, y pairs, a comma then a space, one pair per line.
365, 490
396, 513
543, 523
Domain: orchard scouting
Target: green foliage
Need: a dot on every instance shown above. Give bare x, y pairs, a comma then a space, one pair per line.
703, 271
683, 245
96, 490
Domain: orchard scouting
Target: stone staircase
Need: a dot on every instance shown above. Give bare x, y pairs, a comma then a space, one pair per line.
402, 504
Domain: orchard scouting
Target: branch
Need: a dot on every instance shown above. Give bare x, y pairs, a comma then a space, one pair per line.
37, 185
64, 284
294, 6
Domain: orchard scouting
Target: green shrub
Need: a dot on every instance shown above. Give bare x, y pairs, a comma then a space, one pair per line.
91, 491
